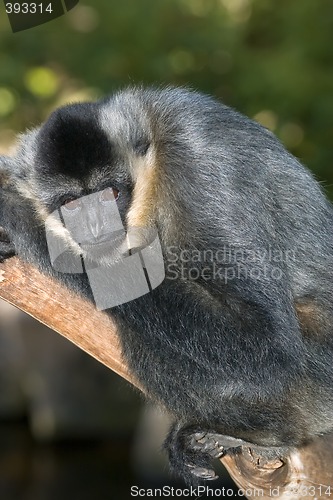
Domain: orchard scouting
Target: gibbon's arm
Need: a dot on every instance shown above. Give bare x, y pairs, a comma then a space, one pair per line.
305, 473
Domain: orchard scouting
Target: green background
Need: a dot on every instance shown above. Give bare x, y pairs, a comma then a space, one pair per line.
272, 60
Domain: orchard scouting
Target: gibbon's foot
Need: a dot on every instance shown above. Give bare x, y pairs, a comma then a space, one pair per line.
7, 248
191, 451
268, 458
215, 445
202, 472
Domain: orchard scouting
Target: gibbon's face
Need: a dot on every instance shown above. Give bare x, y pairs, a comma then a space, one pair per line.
95, 173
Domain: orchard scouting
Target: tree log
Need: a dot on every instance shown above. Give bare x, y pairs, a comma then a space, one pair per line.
305, 473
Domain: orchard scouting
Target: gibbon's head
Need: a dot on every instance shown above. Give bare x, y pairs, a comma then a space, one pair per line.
93, 161
85, 148
151, 151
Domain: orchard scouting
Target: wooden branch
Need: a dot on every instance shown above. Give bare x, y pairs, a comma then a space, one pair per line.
58, 308
305, 473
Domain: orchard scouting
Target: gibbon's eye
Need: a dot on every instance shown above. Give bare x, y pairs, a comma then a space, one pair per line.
141, 148
109, 194
72, 204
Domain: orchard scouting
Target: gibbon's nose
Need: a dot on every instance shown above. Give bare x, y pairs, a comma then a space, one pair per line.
95, 228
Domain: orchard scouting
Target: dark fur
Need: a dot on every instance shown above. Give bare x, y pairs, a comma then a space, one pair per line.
76, 128
232, 357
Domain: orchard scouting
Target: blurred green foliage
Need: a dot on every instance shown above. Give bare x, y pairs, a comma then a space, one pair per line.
271, 60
